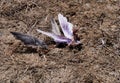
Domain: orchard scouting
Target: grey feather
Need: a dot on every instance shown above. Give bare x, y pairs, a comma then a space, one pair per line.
29, 40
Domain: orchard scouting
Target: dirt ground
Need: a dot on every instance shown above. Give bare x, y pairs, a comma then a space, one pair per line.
97, 60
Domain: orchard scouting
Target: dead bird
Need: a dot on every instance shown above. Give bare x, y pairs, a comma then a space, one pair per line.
29, 40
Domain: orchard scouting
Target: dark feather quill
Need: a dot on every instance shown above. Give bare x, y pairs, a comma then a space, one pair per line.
29, 40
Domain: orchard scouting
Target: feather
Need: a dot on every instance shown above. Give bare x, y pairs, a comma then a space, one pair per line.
55, 28
29, 40
66, 26
56, 38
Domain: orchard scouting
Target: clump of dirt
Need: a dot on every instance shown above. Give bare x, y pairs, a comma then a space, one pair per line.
95, 60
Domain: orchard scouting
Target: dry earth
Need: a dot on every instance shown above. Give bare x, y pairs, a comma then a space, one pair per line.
97, 60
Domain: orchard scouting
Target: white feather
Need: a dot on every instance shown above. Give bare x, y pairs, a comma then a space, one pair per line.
66, 26
56, 38
55, 28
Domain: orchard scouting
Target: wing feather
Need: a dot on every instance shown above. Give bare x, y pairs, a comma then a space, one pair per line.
56, 38
55, 28
66, 26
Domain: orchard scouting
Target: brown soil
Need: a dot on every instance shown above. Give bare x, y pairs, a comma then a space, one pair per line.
96, 61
